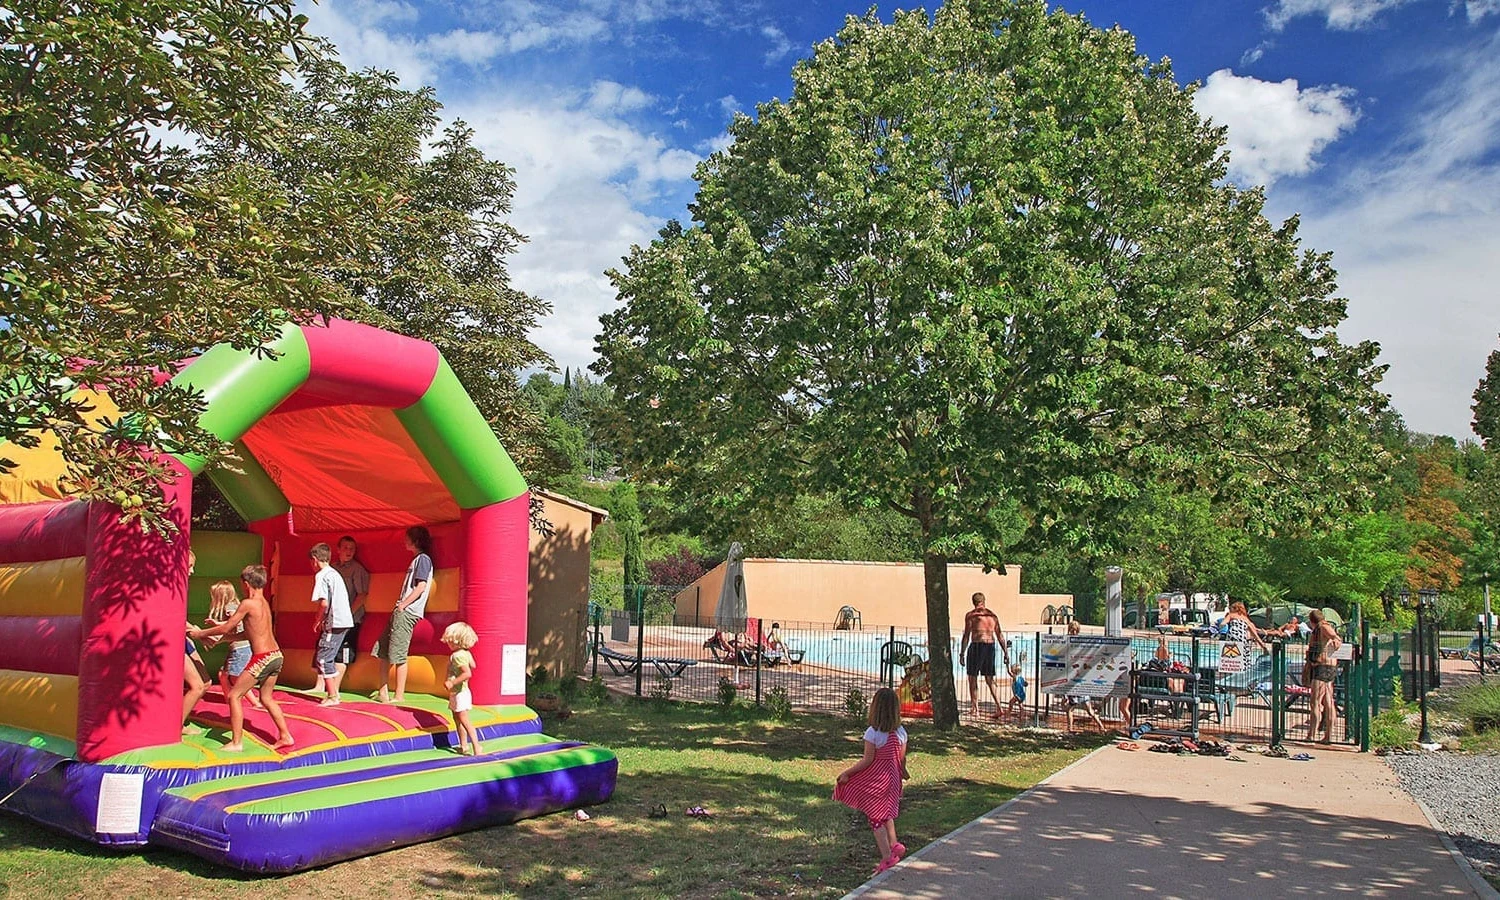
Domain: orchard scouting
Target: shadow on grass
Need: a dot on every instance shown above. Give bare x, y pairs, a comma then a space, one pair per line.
644, 724
774, 828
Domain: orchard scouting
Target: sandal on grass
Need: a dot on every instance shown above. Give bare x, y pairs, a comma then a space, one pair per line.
699, 812
659, 811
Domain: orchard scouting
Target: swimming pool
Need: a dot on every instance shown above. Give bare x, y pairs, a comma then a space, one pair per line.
859, 651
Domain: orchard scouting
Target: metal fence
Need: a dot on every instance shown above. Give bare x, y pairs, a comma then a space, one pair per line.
1177, 682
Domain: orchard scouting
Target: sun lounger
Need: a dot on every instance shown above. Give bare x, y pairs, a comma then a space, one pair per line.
623, 664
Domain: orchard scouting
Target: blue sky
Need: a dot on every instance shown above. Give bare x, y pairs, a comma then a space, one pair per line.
1378, 121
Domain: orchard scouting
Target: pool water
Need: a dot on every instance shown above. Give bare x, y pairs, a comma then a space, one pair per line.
859, 651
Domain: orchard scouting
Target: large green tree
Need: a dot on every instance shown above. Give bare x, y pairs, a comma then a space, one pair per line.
981, 263
116, 258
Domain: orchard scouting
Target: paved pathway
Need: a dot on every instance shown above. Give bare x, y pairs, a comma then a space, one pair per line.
1119, 823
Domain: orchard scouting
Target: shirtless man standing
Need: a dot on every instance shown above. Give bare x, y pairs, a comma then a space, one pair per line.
265, 660
981, 632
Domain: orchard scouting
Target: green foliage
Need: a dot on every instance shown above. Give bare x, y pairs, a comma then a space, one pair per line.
1487, 403
1350, 562
568, 688
120, 257
627, 517
1479, 704
779, 703
856, 706
597, 691
661, 689
727, 691
983, 270
1390, 730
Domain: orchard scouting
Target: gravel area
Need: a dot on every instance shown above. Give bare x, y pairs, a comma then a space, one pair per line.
1463, 792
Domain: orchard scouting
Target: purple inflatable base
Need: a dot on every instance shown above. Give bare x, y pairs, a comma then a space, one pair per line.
288, 842
64, 794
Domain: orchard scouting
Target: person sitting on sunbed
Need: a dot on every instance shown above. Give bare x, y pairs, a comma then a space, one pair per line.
719, 642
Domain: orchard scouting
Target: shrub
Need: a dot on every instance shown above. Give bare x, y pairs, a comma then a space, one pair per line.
1480, 704
680, 568
662, 689
779, 703
1389, 729
856, 705
596, 691
727, 691
538, 675
568, 687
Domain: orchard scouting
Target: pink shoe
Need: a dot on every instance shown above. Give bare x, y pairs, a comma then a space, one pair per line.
898, 850
886, 864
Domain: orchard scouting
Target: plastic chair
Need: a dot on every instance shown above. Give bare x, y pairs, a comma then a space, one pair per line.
1049, 614
893, 654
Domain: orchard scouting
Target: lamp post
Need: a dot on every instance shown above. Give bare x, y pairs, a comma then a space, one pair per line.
1425, 600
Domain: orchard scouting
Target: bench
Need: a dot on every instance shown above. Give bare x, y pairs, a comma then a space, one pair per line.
622, 664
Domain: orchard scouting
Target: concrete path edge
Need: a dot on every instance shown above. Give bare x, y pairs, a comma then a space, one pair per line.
1481, 887
950, 836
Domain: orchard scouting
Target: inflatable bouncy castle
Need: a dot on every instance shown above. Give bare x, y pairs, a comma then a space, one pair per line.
343, 430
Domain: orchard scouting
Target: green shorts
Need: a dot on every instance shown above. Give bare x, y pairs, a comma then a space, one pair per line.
395, 644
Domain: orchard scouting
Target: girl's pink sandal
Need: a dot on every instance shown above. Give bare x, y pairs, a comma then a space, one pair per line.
898, 850
886, 864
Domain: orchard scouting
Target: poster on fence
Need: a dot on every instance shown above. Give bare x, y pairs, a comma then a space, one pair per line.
1231, 658
1087, 666
1052, 654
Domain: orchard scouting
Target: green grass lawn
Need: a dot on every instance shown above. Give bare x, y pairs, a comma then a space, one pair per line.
774, 830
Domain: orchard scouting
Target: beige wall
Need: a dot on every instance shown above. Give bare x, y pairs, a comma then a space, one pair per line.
558, 595
811, 591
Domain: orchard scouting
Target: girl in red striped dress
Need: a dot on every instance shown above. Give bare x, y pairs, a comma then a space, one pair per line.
873, 785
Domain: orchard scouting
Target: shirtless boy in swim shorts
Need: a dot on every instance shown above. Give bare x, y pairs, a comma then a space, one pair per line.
265, 660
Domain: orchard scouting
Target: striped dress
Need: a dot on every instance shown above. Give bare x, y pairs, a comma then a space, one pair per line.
876, 790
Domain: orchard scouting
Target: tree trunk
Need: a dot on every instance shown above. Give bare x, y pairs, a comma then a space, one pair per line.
939, 640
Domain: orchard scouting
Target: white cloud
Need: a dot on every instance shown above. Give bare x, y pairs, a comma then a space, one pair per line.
730, 104
583, 177
1478, 9
1275, 128
1341, 15
1416, 238
720, 141
364, 35
781, 47
613, 97
1253, 55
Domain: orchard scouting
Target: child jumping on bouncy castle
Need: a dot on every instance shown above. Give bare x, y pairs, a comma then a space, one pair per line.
265, 660
224, 601
460, 639
334, 621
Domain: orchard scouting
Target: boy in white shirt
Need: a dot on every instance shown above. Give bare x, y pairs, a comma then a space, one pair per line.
333, 622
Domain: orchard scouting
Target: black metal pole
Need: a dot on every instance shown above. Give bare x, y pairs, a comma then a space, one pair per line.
598, 614
640, 633
1423, 628
760, 632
